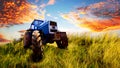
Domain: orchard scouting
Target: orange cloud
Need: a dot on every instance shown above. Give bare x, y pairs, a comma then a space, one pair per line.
101, 25
2, 39
100, 16
13, 12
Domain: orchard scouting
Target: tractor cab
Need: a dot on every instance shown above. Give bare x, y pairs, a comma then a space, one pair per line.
48, 27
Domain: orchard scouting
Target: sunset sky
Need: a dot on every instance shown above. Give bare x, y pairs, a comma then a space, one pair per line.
71, 15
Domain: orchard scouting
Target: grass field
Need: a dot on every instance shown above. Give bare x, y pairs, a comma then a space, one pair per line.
84, 51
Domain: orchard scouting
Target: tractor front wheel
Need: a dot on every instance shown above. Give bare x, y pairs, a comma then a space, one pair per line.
37, 46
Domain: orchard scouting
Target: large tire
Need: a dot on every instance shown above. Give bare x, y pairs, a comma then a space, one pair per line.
37, 46
63, 43
27, 39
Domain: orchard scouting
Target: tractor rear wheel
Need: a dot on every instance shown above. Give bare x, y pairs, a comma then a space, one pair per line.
27, 39
37, 46
63, 43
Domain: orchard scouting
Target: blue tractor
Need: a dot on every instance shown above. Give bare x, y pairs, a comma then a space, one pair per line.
42, 32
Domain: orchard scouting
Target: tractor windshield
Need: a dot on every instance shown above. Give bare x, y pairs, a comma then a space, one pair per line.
35, 24
53, 23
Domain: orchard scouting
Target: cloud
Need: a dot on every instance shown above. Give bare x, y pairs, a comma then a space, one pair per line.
51, 2
49, 15
22, 31
2, 39
55, 17
100, 16
36, 1
14, 12
43, 5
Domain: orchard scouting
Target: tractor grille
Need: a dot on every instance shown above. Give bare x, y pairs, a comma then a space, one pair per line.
53, 30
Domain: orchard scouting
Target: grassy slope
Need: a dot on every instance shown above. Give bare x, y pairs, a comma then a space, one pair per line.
83, 52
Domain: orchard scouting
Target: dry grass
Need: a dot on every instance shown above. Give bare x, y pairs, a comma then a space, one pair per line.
84, 51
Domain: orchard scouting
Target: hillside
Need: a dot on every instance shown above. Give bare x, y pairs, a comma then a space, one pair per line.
102, 51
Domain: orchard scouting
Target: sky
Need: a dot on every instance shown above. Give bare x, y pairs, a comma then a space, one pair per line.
72, 16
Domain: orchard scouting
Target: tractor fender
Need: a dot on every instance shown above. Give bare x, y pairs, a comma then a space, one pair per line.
27, 39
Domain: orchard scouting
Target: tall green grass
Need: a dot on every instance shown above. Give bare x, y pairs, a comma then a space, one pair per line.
84, 51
